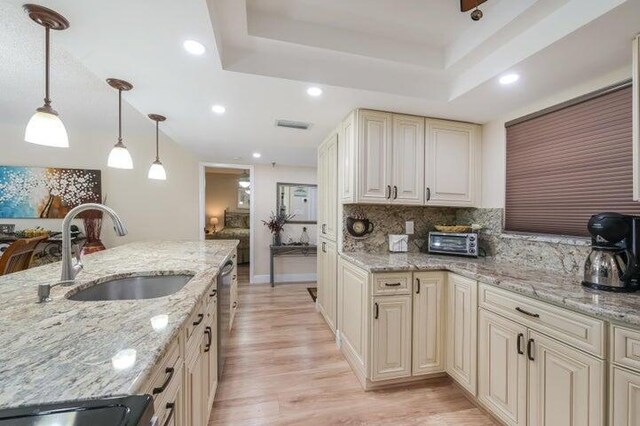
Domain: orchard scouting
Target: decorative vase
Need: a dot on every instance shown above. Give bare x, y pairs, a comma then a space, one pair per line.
92, 229
277, 239
304, 238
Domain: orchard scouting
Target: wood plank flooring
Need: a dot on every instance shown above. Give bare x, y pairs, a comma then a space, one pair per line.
284, 368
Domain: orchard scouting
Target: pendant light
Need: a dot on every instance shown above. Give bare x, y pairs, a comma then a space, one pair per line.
156, 171
119, 157
45, 127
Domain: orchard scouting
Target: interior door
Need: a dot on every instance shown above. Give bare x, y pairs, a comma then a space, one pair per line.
428, 322
502, 367
374, 148
407, 183
566, 386
391, 337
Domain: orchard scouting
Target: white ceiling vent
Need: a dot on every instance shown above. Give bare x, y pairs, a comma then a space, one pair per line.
300, 125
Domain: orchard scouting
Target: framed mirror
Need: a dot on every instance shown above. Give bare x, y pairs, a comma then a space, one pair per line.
300, 200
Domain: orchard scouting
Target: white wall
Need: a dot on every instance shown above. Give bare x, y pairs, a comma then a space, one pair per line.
150, 209
494, 136
287, 268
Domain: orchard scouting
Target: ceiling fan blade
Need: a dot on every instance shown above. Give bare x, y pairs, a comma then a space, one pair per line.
467, 5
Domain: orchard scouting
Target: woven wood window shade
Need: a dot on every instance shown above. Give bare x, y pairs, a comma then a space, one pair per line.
569, 162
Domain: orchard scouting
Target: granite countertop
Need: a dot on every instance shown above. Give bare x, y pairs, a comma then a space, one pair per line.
62, 350
560, 289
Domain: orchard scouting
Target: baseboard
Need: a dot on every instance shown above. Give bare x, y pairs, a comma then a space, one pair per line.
285, 278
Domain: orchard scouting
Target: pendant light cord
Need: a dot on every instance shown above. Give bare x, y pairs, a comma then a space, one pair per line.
157, 141
119, 115
47, 100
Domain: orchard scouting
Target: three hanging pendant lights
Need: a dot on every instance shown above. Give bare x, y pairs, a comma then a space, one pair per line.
46, 128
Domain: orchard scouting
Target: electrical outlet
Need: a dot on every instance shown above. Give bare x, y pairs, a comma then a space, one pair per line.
408, 227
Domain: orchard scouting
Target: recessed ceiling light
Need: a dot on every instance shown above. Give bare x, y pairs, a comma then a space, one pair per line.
509, 78
257, 155
194, 47
218, 109
314, 91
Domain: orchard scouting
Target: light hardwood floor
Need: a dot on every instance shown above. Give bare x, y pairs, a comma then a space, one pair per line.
283, 368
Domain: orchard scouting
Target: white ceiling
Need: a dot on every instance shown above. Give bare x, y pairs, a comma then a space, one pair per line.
414, 56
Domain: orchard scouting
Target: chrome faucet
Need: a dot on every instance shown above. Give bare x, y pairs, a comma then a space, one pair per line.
69, 268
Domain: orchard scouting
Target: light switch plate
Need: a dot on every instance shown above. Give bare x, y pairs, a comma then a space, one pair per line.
408, 227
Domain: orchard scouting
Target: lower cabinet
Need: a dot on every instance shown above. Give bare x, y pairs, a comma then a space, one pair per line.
462, 314
391, 337
327, 282
428, 322
521, 371
624, 397
196, 389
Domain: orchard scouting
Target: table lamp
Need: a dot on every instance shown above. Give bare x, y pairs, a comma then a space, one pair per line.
213, 221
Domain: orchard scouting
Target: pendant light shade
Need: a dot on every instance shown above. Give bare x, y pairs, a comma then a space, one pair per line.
157, 171
119, 157
45, 127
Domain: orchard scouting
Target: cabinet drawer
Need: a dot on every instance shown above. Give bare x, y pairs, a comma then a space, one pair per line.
211, 295
578, 330
167, 373
625, 346
194, 323
169, 409
392, 283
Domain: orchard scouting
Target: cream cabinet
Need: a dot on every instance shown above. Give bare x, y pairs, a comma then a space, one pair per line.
327, 270
387, 158
566, 386
502, 367
452, 164
195, 389
328, 188
391, 337
428, 322
624, 397
462, 314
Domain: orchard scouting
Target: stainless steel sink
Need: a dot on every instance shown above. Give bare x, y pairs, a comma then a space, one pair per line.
133, 288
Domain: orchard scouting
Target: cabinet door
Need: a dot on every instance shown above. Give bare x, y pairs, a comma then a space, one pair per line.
566, 386
353, 313
391, 337
172, 412
407, 181
347, 162
194, 391
462, 310
322, 189
428, 322
624, 397
330, 283
321, 260
502, 367
452, 170
374, 148
330, 180
211, 361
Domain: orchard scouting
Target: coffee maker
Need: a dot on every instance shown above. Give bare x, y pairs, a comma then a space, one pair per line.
613, 264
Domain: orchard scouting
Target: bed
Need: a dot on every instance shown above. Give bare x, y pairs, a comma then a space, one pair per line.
236, 226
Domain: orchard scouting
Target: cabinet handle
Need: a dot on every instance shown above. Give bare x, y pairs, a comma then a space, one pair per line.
519, 309
392, 284
520, 339
324, 225
324, 247
375, 307
200, 318
207, 331
171, 406
169, 371
530, 349
213, 293
428, 193
235, 304
388, 193
418, 282
395, 192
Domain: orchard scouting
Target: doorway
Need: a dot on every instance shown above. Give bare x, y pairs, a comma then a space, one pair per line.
226, 208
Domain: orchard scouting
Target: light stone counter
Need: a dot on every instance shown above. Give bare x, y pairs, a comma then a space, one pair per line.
62, 350
560, 289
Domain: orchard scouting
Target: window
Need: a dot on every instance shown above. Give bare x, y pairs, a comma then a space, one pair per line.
569, 162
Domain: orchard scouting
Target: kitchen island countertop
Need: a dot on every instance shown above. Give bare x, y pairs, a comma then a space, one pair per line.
559, 289
62, 350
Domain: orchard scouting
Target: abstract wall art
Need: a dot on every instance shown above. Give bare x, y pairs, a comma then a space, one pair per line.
38, 192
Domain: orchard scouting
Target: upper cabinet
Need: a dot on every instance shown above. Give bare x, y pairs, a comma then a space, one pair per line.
327, 188
390, 158
452, 164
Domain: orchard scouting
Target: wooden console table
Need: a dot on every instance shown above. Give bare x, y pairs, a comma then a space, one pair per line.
289, 250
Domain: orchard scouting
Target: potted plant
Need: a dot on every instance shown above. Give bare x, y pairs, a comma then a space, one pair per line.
276, 223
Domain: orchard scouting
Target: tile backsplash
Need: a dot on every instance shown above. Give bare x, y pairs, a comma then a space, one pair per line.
562, 254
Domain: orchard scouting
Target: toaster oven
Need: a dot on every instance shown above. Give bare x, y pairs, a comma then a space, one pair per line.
462, 244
